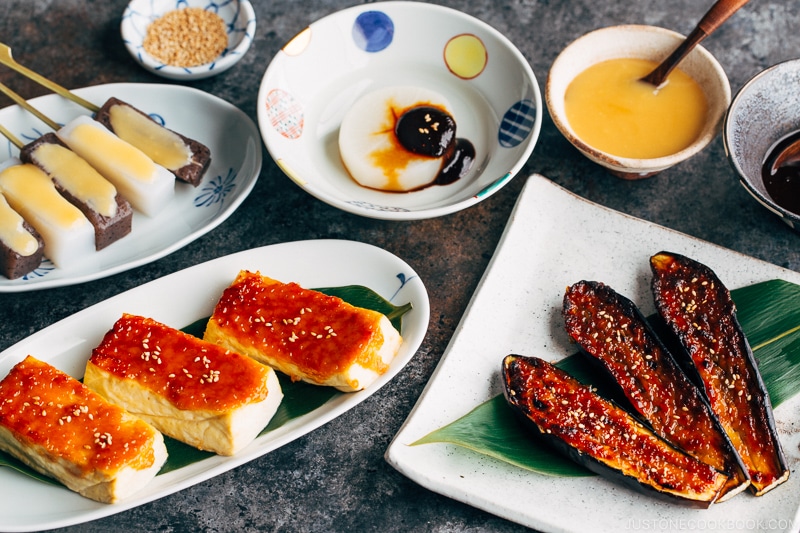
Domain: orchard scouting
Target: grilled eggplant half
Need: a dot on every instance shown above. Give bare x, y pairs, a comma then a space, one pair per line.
602, 436
699, 310
611, 330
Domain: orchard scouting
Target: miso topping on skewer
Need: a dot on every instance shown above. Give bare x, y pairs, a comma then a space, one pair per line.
21, 247
68, 235
149, 187
187, 158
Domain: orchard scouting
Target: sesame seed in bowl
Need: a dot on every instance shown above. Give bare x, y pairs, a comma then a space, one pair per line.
188, 39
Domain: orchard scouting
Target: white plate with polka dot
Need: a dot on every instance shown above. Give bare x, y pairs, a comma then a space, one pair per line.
318, 75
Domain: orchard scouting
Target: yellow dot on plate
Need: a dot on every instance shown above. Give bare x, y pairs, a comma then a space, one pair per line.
465, 56
298, 43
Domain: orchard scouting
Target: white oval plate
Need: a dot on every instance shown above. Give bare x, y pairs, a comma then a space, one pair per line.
236, 160
181, 299
316, 77
517, 309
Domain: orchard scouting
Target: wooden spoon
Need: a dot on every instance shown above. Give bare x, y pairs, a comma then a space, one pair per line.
7, 60
713, 19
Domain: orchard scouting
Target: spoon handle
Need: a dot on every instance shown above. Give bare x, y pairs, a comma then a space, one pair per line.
7, 60
713, 19
719, 13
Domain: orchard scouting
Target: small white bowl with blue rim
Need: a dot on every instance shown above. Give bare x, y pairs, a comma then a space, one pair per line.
240, 24
317, 76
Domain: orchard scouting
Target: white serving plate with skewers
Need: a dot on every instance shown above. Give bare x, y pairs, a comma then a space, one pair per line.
235, 145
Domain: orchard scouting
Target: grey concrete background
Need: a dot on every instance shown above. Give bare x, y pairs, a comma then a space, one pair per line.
335, 479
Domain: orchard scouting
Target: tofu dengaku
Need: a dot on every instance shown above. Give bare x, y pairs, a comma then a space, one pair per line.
192, 390
60, 428
303, 333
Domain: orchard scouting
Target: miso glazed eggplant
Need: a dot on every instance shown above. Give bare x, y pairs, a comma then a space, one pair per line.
602, 436
699, 310
611, 330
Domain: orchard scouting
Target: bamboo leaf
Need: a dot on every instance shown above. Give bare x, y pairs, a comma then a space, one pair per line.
369, 299
492, 429
769, 313
299, 398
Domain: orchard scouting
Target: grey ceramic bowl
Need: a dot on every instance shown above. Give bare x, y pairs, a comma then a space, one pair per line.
764, 110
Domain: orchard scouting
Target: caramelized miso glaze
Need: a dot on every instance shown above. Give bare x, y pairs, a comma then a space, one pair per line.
43, 406
318, 333
611, 330
573, 414
189, 372
701, 313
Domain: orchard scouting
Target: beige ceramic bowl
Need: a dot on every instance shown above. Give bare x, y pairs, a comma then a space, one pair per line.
644, 42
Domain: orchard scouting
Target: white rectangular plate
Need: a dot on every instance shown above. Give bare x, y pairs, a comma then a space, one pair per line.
553, 239
179, 300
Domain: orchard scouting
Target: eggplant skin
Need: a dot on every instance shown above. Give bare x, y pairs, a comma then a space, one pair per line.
603, 437
699, 310
616, 337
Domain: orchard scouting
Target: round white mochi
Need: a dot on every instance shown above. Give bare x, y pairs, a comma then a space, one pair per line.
367, 132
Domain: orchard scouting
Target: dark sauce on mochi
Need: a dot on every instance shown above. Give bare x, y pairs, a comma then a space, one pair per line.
426, 130
783, 186
429, 131
458, 164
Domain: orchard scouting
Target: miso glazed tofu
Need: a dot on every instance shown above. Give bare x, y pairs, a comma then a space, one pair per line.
303, 333
192, 390
60, 428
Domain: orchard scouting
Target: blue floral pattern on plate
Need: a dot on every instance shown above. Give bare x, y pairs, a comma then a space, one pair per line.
240, 25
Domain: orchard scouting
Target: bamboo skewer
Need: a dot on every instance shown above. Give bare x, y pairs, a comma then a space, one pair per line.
7, 60
13, 139
20, 101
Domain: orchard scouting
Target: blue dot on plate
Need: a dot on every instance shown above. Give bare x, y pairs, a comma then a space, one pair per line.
517, 123
373, 31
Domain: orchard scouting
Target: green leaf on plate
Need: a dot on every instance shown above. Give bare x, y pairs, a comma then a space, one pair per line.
769, 313
370, 300
7, 460
299, 398
492, 429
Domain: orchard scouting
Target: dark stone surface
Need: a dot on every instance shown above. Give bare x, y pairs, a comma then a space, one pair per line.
335, 479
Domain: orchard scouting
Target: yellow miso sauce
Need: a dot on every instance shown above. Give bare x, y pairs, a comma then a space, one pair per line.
611, 110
